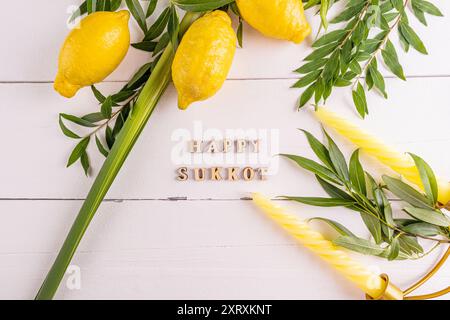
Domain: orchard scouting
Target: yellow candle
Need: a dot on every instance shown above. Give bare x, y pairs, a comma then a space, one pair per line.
368, 281
397, 161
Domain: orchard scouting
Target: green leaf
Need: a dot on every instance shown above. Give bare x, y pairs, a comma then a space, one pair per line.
173, 27
346, 55
348, 13
239, 32
349, 75
138, 13
377, 77
122, 96
310, 4
333, 191
355, 67
94, 117
387, 213
430, 216
359, 99
139, 76
403, 41
422, 229
391, 59
369, 80
115, 4
412, 38
427, 177
77, 152
341, 82
409, 245
394, 249
377, 195
234, 8
98, 95
321, 202
361, 32
77, 120
320, 87
84, 159
369, 46
406, 193
147, 46
158, 26
107, 107
404, 222
82, 10
311, 66
337, 158
324, 5
110, 139
306, 95
162, 43
398, 4
321, 52
67, 132
200, 5
359, 245
331, 69
373, 224
362, 56
319, 149
151, 8
306, 80
314, 167
327, 91
420, 15
118, 125
100, 147
329, 37
342, 230
427, 7
356, 173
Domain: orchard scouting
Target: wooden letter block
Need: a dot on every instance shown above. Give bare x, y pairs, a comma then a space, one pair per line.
248, 173
212, 147
263, 173
240, 145
215, 174
195, 146
232, 174
182, 174
199, 174
227, 145
255, 144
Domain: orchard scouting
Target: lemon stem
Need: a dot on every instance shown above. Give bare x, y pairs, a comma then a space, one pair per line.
146, 103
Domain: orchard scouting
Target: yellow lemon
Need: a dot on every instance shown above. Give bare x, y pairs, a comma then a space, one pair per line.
279, 19
203, 58
92, 51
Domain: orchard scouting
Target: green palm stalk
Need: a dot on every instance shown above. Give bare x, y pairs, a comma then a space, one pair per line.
146, 103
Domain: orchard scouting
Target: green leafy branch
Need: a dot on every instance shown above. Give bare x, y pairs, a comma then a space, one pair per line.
344, 56
350, 186
114, 109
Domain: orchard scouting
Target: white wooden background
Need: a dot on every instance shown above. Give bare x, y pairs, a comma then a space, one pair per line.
211, 243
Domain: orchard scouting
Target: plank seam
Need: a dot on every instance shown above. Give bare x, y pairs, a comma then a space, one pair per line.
229, 79
170, 199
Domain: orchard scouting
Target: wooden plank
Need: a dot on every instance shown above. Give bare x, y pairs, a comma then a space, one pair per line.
35, 151
180, 249
34, 47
